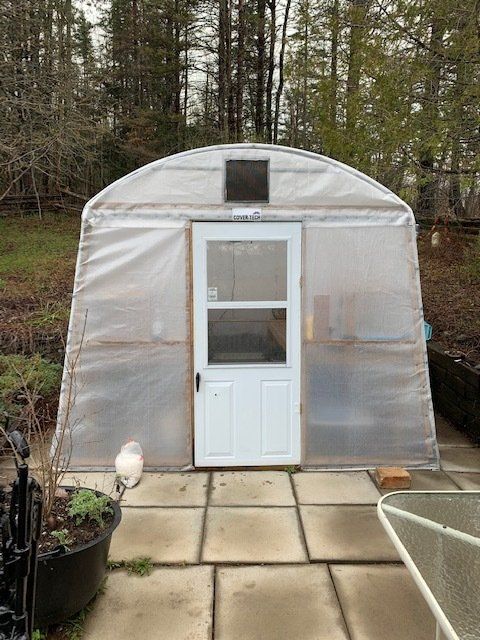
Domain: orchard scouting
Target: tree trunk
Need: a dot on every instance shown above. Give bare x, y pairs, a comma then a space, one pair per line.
457, 130
230, 88
427, 182
305, 54
272, 5
334, 65
278, 95
358, 12
222, 62
260, 83
240, 70
185, 78
136, 55
177, 66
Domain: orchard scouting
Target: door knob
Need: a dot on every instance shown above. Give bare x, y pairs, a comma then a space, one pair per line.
197, 381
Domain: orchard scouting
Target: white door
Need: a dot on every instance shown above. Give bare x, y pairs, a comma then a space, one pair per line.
246, 279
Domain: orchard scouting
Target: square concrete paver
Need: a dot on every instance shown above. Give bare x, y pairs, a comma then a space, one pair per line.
99, 480
251, 488
466, 481
425, 480
277, 603
172, 603
460, 459
169, 490
448, 436
345, 533
345, 487
382, 602
253, 534
166, 535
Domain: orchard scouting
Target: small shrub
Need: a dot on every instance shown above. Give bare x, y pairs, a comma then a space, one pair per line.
291, 469
38, 375
142, 566
86, 505
38, 635
63, 537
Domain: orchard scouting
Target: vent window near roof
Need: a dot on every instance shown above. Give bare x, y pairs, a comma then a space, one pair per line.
246, 181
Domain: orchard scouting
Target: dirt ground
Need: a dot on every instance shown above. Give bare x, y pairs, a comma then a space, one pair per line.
450, 278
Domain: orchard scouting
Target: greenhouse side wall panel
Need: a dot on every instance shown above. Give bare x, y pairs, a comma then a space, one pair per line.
366, 392
132, 379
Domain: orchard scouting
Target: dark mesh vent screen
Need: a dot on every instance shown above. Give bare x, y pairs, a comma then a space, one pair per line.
246, 181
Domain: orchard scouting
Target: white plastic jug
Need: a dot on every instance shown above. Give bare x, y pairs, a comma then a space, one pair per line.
129, 464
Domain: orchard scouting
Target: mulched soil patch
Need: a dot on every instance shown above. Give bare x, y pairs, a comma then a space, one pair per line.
451, 293
77, 535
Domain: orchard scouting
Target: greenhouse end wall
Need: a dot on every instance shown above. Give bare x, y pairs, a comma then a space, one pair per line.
365, 387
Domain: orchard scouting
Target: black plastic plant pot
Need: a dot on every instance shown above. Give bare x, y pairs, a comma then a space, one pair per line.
66, 582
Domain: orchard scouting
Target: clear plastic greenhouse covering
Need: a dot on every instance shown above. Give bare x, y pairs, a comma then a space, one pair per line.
365, 387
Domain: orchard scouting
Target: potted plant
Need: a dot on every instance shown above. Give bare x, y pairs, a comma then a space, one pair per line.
70, 573
78, 522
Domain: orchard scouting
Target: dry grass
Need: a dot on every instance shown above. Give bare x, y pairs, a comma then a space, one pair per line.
37, 262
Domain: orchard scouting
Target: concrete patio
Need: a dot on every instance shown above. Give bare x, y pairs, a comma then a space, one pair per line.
264, 554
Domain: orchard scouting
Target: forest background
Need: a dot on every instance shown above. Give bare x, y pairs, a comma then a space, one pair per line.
89, 92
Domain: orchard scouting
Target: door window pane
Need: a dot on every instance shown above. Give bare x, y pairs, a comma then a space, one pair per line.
247, 270
244, 336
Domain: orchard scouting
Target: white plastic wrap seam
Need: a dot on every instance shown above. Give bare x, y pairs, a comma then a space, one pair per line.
169, 218
119, 208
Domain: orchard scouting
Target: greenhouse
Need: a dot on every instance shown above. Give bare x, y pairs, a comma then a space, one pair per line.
248, 305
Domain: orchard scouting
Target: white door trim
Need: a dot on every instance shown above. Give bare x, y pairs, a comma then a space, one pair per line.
278, 382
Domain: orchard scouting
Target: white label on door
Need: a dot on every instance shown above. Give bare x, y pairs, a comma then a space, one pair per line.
212, 294
246, 215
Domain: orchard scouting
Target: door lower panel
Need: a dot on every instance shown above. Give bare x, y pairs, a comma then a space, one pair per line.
220, 419
276, 398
